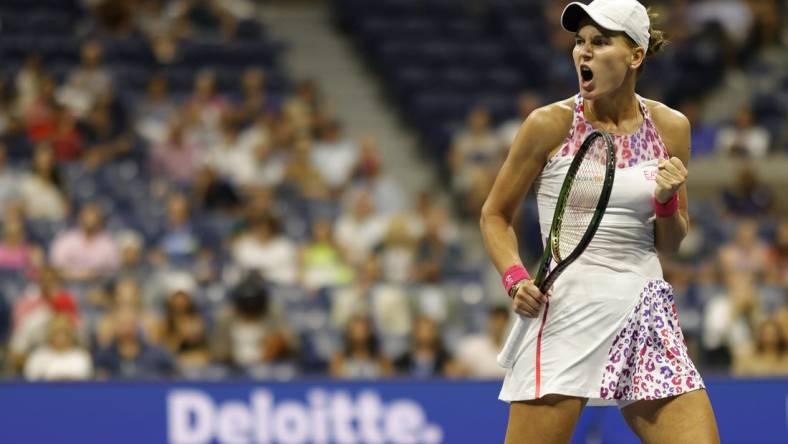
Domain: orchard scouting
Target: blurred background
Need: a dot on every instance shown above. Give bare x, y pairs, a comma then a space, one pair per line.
214, 190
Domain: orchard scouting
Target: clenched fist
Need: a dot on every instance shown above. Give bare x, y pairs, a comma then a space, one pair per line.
671, 176
528, 300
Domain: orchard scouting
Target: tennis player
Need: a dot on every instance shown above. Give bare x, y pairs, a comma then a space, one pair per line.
608, 332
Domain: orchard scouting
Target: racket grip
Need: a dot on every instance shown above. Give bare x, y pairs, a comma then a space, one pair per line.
508, 353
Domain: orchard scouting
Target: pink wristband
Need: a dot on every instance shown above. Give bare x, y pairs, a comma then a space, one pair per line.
513, 275
668, 208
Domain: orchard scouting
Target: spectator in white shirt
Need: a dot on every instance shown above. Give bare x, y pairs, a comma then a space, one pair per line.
87, 82
476, 354
62, 357
40, 190
744, 137
263, 248
335, 156
360, 230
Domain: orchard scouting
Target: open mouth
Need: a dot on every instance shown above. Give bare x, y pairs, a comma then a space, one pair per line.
586, 74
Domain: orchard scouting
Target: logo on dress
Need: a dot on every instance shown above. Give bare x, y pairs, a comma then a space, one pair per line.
650, 174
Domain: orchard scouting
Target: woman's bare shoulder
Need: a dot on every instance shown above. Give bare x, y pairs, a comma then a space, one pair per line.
547, 126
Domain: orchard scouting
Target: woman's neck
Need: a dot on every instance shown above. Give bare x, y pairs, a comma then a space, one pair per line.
615, 112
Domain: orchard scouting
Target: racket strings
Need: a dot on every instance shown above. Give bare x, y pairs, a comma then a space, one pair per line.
582, 199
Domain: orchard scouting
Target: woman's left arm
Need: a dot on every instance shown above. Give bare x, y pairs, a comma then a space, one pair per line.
670, 229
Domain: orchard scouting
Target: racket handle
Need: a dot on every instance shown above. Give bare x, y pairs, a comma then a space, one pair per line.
508, 354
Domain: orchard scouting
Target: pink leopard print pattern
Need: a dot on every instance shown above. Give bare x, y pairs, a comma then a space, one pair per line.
648, 358
631, 149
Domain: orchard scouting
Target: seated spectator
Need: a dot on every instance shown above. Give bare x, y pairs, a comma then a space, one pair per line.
132, 262
41, 190
302, 175
156, 111
204, 110
427, 357
33, 311
397, 252
254, 101
334, 156
9, 181
322, 264
263, 248
474, 155
86, 82
778, 270
477, 353
249, 333
177, 240
107, 132
746, 252
204, 18
66, 140
387, 193
87, 252
703, 136
360, 357
728, 319
770, 354
748, 196
266, 167
745, 137
130, 355
212, 193
359, 230
62, 357
175, 158
40, 117
16, 254
436, 253
27, 83
526, 104
126, 296
228, 157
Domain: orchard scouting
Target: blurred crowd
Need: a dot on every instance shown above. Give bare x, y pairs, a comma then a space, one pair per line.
214, 232
181, 214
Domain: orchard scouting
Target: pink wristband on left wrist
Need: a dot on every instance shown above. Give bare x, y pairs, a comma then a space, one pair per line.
514, 274
668, 208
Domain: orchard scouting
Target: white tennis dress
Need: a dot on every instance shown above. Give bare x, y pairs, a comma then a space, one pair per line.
610, 331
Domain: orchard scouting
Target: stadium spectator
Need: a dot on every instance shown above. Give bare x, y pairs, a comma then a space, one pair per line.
474, 155
427, 356
41, 114
66, 140
397, 252
728, 320
361, 356
212, 193
176, 158
178, 241
748, 196
40, 190
322, 264
204, 110
62, 357
266, 167
28, 84
703, 135
228, 157
438, 255
180, 312
361, 228
526, 104
33, 311
254, 101
9, 181
477, 353
746, 252
86, 83
16, 253
778, 273
263, 248
770, 354
125, 296
745, 137
154, 113
132, 262
301, 174
130, 355
249, 333
388, 195
87, 252
334, 155
107, 132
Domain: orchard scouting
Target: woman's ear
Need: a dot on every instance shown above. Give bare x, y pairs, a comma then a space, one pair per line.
638, 56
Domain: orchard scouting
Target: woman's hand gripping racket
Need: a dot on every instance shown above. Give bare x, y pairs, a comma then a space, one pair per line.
581, 204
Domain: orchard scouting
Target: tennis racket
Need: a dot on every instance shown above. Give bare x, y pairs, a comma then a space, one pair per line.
581, 204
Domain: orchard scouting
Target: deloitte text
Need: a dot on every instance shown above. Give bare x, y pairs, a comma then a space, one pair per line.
324, 417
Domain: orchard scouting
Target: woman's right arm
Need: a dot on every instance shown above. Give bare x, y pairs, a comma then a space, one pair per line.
542, 132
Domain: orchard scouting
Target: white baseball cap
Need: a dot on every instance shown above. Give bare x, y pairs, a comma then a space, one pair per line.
628, 16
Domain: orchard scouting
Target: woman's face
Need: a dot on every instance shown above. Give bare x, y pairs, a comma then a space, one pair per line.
603, 60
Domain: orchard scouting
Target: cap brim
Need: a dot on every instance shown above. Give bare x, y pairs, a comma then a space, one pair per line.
575, 12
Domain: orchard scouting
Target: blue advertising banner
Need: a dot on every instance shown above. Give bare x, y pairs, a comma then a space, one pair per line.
752, 411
